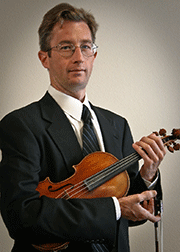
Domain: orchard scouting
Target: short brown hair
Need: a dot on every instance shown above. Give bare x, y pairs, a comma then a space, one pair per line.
60, 13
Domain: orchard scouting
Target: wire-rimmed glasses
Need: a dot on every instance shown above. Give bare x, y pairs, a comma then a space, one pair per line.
67, 49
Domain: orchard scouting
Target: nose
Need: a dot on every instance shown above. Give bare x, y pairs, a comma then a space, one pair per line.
77, 55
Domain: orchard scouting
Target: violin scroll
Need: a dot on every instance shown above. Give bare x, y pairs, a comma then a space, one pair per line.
176, 133
170, 140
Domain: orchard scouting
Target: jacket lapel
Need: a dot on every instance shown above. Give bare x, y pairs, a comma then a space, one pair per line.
109, 132
61, 131
63, 134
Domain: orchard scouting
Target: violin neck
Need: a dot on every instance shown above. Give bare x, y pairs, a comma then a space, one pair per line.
111, 171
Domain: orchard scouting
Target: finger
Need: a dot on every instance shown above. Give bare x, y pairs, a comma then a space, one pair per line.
156, 144
145, 204
146, 195
145, 151
149, 205
149, 213
159, 142
153, 218
153, 146
148, 149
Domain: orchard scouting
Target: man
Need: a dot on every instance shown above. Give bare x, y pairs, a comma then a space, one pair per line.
45, 139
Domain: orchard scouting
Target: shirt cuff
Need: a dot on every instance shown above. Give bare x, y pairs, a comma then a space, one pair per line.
151, 185
117, 208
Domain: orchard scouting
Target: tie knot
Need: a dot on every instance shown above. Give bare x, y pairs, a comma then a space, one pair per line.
86, 115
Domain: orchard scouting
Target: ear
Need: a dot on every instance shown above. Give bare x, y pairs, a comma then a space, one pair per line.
94, 57
44, 58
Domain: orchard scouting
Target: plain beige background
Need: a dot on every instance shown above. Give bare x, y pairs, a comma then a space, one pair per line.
136, 74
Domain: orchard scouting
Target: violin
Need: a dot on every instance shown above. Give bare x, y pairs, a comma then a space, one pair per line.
104, 176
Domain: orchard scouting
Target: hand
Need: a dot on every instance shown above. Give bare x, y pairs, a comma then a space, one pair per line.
152, 150
139, 207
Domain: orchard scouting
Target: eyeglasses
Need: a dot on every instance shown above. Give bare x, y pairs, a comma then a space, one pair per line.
68, 49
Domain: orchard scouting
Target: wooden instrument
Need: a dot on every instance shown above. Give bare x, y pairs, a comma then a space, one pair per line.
104, 176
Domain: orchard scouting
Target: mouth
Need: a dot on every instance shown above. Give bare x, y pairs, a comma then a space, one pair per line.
77, 70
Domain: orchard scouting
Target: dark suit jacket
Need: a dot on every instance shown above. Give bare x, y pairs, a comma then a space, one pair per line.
38, 141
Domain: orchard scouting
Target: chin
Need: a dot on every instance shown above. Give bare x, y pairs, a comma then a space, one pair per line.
79, 83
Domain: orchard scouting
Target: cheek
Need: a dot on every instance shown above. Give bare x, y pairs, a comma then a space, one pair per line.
90, 67
91, 63
58, 67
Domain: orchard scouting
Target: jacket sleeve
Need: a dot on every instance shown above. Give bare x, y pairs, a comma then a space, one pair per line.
40, 220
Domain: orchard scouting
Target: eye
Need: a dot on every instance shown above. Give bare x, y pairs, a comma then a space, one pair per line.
65, 47
86, 47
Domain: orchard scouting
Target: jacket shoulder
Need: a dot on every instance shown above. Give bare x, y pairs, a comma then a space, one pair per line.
30, 111
112, 117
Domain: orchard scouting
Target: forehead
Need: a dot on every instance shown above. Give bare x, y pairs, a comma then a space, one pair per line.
70, 31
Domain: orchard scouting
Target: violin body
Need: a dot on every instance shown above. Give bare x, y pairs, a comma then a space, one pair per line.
95, 162
77, 187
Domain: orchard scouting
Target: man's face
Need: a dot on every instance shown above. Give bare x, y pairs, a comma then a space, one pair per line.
69, 74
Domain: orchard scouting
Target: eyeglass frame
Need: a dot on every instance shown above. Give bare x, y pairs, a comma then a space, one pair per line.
93, 47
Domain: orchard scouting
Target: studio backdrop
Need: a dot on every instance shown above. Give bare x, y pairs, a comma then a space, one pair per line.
136, 74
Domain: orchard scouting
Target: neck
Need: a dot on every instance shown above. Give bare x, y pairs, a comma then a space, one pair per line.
77, 94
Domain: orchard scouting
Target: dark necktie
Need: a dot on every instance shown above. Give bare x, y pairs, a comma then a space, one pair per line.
90, 144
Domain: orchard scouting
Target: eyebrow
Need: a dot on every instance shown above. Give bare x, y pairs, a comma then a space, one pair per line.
70, 42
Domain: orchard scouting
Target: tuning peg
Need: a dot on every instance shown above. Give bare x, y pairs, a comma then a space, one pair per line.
176, 146
171, 149
162, 132
176, 133
170, 141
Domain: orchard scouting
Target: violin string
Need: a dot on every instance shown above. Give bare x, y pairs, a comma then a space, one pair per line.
113, 168
99, 176
69, 190
132, 157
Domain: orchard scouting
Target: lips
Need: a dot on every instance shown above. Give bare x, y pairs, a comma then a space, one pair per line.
77, 70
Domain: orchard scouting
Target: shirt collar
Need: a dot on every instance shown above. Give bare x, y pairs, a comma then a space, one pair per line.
69, 104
